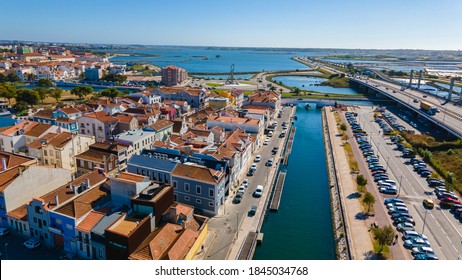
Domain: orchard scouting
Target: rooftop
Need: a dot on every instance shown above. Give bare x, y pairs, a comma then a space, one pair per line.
127, 225
91, 220
197, 172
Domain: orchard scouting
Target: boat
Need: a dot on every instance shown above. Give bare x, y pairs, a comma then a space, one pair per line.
295, 117
307, 106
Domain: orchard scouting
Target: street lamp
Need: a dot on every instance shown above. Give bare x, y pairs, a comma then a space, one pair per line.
388, 158
400, 185
6, 251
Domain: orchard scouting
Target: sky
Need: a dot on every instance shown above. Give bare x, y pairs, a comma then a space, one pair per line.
388, 24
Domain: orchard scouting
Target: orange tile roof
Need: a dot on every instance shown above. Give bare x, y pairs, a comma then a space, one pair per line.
94, 155
61, 140
197, 172
90, 220
7, 177
161, 124
13, 160
37, 143
83, 203
26, 126
101, 116
132, 177
45, 113
124, 119
38, 130
183, 209
183, 244
70, 110
19, 213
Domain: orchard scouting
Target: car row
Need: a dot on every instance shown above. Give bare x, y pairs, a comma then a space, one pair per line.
393, 121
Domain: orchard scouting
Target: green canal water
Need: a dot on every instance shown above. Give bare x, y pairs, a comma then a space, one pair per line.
302, 228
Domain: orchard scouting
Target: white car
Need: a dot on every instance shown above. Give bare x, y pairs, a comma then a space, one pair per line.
241, 190
32, 244
257, 158
253, 167
245, 182
266, 142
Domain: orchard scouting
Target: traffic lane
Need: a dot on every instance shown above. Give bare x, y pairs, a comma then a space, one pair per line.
15, 250
418, 190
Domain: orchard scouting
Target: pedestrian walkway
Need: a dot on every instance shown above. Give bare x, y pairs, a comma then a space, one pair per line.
358, 228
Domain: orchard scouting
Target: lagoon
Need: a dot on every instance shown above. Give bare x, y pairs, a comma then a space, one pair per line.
312, 83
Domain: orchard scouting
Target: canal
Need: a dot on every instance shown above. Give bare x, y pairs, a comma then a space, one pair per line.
302, 228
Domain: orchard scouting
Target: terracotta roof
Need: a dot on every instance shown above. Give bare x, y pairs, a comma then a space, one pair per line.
101, 116
8, 176
13, 160
69, 110
132, 177
161, 124
38, 130
203, 133
217, 128
84, 203
183, 209
197, 172
90, 220
19, 213
60, 140
124, 119
26, 126
37, 143
64, 193
163, 240
65, 120
94, 155
108, 146
45, 113
183, 245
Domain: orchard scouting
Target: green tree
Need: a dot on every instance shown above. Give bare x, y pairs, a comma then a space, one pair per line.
12, 77
20, 107
383, 235
7, 91
31, 97
296, 90
116, 78
2, 78
45, 83
56, 93
31, 77
43, 93
110, 92
369, 200
82, 91
343, 127
361, 180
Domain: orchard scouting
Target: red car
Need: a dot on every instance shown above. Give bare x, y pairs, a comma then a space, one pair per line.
448, 201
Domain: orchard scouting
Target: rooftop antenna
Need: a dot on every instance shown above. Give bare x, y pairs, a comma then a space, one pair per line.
231, 79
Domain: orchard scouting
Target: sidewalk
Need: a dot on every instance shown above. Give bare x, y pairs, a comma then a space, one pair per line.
361, 247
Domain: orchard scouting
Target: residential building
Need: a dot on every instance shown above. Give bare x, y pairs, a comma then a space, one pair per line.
147, 97
65, 217
93, 159
199, 186
163, 129
98, 233
20, 184
93, 74
264, 98
126, 185
219, 102
13, 138
98, 124
173, 75
232, 123
153, 165
121, 152
60, 149
139, 139
127, 123
85, 250
38, 208
195, 97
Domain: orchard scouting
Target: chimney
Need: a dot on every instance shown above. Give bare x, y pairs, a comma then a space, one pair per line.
4, 166
87, 182
56, 200
19, 171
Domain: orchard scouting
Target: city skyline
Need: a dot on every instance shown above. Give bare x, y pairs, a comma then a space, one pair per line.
356, 25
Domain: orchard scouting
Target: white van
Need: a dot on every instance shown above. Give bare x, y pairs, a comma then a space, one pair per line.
259, 191
270, 134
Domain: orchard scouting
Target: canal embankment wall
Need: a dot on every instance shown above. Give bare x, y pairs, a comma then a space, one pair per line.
340, 222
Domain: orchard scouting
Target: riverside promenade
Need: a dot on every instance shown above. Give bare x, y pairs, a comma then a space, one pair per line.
359, 238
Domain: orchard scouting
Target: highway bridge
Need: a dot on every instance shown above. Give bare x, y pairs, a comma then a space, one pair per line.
449, 117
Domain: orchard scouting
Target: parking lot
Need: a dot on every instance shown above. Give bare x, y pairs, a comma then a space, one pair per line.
392, 162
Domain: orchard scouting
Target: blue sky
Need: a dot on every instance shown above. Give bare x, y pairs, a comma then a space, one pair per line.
388, 24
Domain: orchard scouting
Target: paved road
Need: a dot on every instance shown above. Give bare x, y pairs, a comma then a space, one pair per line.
443, 230
16, 251
223, 226
450, 115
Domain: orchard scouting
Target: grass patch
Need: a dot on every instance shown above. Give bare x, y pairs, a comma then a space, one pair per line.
351, 157
248, 83
137, 67
213, 84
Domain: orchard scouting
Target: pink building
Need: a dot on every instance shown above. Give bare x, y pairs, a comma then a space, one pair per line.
173, 75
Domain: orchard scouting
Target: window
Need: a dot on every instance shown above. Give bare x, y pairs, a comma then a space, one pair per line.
82, 163
186, 198
90, 165
24, 227
175, 197
35, 220
100, 253
44, 223
45, 153
110, 166
68, 226
186, 187
211, 204
198, 189
51, 153
174, 184
58, 155
198, 201
211, 192
58, 221
38, 209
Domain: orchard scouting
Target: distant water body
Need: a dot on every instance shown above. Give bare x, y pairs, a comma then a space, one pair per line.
217, 60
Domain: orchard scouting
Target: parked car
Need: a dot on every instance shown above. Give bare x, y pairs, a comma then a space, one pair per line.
253, 167
405, 226
253, 210
266, 142
257, 158
398, 209
241, 190
390, 191
404, 220
245, 182
259, 191
238, 198
32, 244
426, 256
423, 249
4, 231
269, 162
274, 150
391, 200
250, 172
413, 234
416, 242
399, 215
